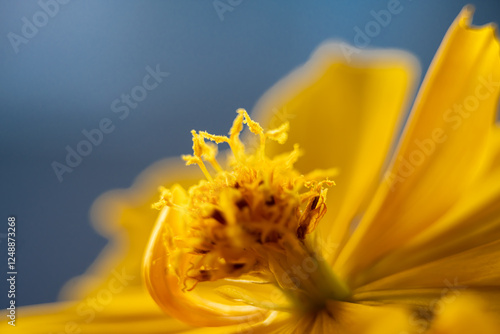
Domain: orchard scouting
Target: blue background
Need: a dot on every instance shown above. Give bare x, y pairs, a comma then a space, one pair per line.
64, 79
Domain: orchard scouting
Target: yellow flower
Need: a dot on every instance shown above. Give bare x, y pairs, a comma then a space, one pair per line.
409, 244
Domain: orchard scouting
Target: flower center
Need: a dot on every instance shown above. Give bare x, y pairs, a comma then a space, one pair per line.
252, 219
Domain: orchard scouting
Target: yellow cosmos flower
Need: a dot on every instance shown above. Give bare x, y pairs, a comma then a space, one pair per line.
269, 243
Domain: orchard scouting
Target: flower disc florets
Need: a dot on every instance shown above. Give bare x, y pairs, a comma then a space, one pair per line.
256, 207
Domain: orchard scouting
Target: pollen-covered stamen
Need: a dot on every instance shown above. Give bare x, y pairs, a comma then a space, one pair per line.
202, 150
250, 218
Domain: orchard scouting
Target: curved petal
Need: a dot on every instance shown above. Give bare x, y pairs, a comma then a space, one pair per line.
166, 287
442, 147
344, 113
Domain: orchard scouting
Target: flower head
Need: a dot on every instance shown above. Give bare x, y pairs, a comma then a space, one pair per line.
248, 223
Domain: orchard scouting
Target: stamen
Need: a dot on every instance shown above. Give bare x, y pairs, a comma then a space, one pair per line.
214, 138
255, 128
235, 143
252, 125
215, 165
190, 160
280, 134
251, 219
200, 150
166, 199
314, 202
218, 216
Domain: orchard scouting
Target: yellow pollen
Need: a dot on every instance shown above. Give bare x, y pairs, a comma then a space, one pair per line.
240, 220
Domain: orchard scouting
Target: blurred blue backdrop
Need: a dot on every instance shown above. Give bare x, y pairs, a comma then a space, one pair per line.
62, 76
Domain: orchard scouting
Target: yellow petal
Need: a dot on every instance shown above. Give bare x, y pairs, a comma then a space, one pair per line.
491, 162
444, 310
167, 289
343, 114
425, 300
469, 314
441, 150
126, 313
342, 317
475, 268
350, 318
473, 221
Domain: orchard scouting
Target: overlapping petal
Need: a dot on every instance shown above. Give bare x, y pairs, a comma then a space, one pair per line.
441, 151
477, 267
166, 287
474, 220
345, 114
